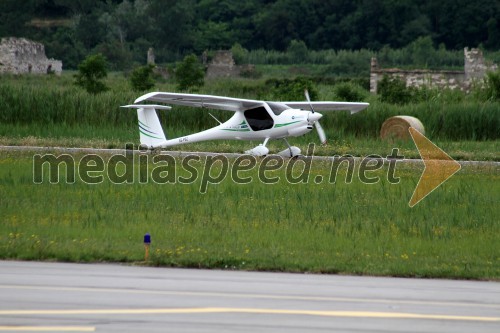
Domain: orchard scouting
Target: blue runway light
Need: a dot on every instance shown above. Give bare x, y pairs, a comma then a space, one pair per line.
147, 238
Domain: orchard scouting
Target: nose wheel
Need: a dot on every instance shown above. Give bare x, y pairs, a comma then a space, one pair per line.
292, 151
260, 150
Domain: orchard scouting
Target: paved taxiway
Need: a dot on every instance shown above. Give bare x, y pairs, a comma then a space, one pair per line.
114, 298
181, 154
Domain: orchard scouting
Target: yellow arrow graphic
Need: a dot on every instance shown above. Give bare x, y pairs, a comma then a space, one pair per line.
439, 166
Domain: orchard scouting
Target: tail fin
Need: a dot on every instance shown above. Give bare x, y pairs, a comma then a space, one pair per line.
150, 129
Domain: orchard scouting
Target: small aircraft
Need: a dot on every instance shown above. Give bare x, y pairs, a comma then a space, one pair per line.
252, 119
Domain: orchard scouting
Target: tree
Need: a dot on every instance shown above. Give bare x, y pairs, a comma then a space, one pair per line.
212, 35
298, 51
141, 78
63, 45
90, 73
174, 23
14, 16
189, 73
422, 51
493, 33
240, 54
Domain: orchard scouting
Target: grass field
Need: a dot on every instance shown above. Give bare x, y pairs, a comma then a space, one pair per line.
348, 228
60, 135
321, 227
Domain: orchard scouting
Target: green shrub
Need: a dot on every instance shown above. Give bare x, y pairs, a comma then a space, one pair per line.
142, 79
249, 72
289, 90
394, 91
189, 73
298, 51
349, 92
90, 73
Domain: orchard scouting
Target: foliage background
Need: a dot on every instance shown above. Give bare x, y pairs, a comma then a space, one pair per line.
124, 30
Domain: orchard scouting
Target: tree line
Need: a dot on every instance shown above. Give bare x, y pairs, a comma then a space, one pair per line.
123, 30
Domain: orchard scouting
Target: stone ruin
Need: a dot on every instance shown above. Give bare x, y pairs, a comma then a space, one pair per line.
23, 56
222, 65
475, 69
151, 56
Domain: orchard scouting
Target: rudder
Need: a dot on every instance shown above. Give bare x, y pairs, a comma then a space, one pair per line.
150, 130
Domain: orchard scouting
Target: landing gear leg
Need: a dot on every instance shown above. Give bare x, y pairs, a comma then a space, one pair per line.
289, 147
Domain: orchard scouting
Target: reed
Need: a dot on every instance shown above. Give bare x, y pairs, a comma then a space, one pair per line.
52, 100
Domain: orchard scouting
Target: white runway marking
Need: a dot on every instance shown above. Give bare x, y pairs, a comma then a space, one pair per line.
248, 296
350, 314
47, 329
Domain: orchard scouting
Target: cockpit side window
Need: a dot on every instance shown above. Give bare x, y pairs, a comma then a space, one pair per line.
278, 108
259, 119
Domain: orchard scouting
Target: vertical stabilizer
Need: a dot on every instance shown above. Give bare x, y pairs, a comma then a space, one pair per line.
150, 130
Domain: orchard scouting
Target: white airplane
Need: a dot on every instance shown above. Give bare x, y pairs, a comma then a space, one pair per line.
252, 120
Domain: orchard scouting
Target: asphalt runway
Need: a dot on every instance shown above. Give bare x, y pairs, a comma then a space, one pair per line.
60, 297
182, 154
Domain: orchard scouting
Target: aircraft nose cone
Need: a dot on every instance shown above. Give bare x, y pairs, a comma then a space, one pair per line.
314, 116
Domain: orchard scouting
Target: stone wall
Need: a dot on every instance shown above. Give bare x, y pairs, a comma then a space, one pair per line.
475, 69
475, 66
20, 56
222, 65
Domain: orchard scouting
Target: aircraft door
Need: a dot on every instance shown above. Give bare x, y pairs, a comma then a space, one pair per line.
259, 119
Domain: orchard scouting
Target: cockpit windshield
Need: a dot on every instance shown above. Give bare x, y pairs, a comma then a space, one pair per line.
277, 108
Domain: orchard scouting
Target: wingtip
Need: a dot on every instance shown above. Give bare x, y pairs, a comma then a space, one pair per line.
145, 97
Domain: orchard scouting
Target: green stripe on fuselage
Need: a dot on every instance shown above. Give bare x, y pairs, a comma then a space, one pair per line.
286, 124
236, 130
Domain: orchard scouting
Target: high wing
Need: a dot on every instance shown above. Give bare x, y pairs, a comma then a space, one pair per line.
329, 106
201, 101
239, 104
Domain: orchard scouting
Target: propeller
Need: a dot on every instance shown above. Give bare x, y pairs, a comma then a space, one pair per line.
321, 133
319, 129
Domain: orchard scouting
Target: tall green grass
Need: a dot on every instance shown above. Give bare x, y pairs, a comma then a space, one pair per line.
464, 120
56, 101
356, 62
68, 105
335, 228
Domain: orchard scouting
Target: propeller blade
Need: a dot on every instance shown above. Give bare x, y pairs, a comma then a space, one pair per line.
306, 93
321, 133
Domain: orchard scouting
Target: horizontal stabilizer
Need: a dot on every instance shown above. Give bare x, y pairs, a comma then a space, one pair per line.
147, 106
